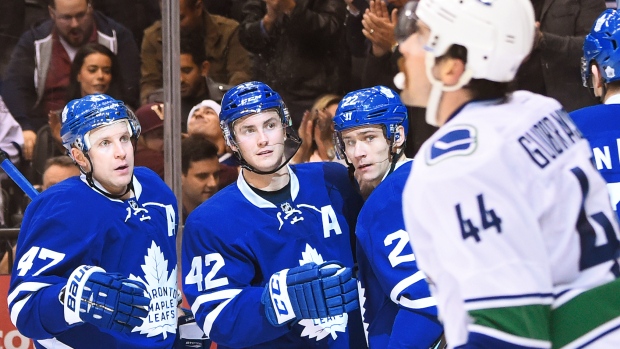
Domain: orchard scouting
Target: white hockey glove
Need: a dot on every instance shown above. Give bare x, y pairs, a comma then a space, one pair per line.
310, 291
106, 300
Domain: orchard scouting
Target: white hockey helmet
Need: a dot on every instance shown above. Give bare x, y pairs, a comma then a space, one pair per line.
498, 34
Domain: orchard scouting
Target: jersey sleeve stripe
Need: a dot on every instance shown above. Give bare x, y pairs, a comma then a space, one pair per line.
53, 343
17, 308
26, 287
215, 296
418, 303
210, 319
509, 338
528, 321
587, 316
403, 284
509, 301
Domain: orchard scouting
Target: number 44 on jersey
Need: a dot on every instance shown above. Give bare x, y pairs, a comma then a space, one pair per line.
488, 220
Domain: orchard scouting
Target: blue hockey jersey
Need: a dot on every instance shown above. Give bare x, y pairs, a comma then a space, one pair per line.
600, 125
235, 241
397, 307
71, 224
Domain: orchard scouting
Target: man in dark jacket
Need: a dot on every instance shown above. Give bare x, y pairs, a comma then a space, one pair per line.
300, 48
554, 66
48, 51
219, 36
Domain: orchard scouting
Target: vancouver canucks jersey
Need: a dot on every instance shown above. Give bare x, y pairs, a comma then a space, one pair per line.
512, 223
70, 224
235, 241
600, 125
397, 308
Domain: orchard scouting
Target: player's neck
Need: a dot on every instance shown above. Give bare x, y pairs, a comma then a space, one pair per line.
450, 102
267, 182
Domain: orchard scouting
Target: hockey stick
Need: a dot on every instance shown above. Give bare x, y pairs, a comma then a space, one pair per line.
17, 176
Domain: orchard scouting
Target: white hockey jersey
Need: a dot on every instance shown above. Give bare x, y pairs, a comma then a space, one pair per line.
513, 226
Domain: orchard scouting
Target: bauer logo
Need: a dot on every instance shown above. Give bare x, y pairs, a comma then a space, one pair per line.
459, 141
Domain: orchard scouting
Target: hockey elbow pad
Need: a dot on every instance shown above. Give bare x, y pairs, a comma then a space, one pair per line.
310, 291
106, 300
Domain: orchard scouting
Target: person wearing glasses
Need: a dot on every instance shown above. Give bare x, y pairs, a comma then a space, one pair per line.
48, 50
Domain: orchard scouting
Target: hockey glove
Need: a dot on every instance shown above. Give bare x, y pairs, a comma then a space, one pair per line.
103, 299
310, 291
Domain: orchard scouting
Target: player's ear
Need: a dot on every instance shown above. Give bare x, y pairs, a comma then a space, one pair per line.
79, 158
399, 137
597, 81
450, 70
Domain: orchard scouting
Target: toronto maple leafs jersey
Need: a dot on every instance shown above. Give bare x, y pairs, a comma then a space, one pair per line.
235, 241
71, 224
512, 223
600, 125
397, 308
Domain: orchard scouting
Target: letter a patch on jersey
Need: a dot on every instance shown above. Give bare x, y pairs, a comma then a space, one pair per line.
461, 140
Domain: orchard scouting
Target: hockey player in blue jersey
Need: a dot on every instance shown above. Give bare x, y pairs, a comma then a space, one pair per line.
600, 124
508, 217
96, 254
267, 261
397, 308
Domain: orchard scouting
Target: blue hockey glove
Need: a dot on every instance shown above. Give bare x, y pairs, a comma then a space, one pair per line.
310, 291
105, 300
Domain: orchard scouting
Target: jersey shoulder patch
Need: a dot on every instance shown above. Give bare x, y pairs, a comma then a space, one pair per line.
459, 140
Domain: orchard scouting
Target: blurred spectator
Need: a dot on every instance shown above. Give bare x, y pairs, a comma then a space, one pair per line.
57, 169
36, 12
135, 15
48, 50
316, 131
375, 27
95, 69
200, 172
196, 85
150, 147
232, 9
300, 49
229, 61
11, 137
11, 142
204, 120
553, 68
12, 14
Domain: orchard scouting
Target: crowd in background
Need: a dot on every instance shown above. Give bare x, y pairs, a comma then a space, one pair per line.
312, 52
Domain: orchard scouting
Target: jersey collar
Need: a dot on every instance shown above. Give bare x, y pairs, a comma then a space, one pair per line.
256, 199
398, 164
615, 99
137, 187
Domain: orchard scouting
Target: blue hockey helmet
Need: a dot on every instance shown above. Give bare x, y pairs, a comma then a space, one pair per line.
601, 45
83, 115
246, 99
252, 98
377, 105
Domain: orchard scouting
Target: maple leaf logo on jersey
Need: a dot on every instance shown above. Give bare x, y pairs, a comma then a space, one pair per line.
162, 288
321, 328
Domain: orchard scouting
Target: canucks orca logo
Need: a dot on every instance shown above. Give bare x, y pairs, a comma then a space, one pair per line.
461, 140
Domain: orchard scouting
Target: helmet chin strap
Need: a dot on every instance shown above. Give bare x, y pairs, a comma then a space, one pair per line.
438, 88
91, 181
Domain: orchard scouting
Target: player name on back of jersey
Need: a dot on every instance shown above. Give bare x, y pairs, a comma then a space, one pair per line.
549, 137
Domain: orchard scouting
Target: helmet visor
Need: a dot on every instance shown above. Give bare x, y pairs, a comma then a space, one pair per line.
407, 22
